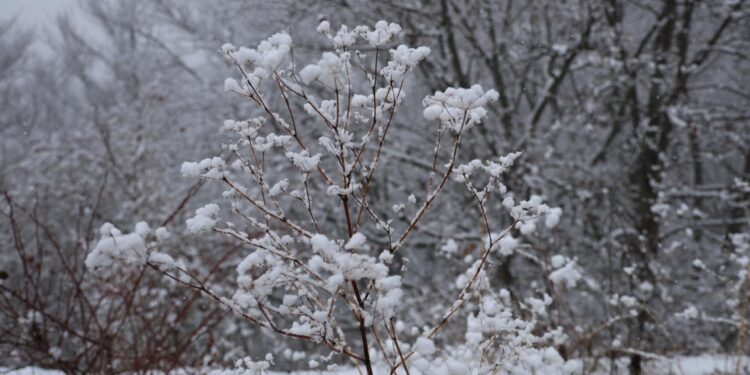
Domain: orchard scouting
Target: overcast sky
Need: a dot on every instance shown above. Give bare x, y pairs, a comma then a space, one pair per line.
34, 12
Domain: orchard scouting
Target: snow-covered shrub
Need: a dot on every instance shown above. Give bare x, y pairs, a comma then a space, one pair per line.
324, 262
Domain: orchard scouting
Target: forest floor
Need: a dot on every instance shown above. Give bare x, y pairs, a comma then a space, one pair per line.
684, 365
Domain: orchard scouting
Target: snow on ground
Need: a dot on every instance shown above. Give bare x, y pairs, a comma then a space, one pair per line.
30, 371
700, 365
707, 364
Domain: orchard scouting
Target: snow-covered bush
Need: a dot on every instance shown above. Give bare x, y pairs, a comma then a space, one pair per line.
324, 263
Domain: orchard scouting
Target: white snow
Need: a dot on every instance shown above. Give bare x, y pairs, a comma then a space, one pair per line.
162, 260
707, 364
356, 241
304, 161
190, 169
231, 85
553, 217
162, 234
205, 218
127, 249
567, 275
507, 245
382, 33
424, 346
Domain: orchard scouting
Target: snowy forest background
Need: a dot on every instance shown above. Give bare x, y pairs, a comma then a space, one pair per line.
623, 237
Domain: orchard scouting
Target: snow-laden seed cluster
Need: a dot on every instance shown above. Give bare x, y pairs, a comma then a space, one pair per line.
210, 168
205, 218
458, 108
566, 272
380, 35
269, 54
403, 59
117, 253
528, 212
329, 70
114, 247
304, 161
